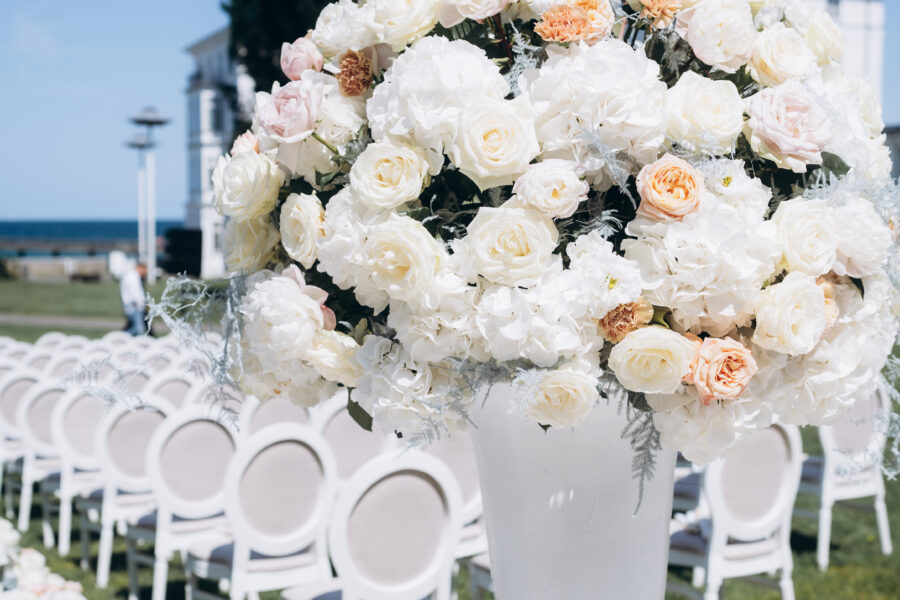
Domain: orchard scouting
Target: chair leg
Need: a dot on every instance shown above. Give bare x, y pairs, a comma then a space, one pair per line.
190, 582
698, 577
884, 530
824, 536
132, 569
25, 504
10, 512
85, 540
713, 588
65, 526
786, 583
104, 555
160, 577
46, 527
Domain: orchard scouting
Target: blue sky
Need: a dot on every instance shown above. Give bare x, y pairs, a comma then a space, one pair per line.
72, 73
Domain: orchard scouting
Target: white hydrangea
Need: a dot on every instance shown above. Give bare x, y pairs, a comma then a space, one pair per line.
600, 279
344, 25
426, 90
601, 106
708, 268
729, 183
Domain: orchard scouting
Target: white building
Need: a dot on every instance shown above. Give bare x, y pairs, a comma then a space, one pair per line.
210, 119
862, 25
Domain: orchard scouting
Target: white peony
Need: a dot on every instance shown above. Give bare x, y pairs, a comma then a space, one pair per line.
564, 396
551, 187
399, 23
824, 38
729, 183
387, 175
600, 106
495, 142
807, 235
333, 355
864, 243
652, 360
790, 315
249, 245
779, 54
703, 115
426, 90
453, 12
301, 222
343, 25
297, 381
720, 32
512, 246
246, 186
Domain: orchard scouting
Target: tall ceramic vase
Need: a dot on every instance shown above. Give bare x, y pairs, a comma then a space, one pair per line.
559, 507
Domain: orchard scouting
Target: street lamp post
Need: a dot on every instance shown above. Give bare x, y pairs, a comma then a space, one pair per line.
150, 118
140, 143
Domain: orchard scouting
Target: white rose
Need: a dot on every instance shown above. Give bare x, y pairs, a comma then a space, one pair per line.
249, 245
332, 354
387, 175
302, 218
495, 142
246, 185
704, 115
779, 54
453, 12
807, 235
824, 39
511, 246
720, 32
402, 258
551, 187
563, 397
865, 240
399, 23
342, 26
652, 360
790, 315
786, 126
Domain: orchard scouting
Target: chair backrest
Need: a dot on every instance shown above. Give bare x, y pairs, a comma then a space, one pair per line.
16, 352
255, 415
186, 462
352, 445
118, 338
458, 453
394, 527
855, 444
73, 424
38, 358
173, 384
279, 489
751, 491
72, 342
63, 363
13, 388
51, 339
7, 367
122, 439
33, 416
157, 359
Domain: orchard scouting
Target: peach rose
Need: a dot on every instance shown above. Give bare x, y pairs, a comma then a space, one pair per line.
722, 368
602, 18
831, 308
300, 56
564, 23
669, 189
660, 12
624, 319
246, 142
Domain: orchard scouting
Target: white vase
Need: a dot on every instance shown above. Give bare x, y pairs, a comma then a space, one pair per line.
559, 507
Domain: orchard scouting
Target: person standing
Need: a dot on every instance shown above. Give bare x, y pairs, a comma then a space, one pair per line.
131, 288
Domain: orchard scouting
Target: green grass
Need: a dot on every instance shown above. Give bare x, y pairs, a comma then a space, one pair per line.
64, 299
29, 333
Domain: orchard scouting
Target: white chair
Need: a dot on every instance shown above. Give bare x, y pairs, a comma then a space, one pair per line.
51, 339
172, 384
850, 468
37, 358
13, 388
393, 531
279, 489
750, 494
120, 442
16, 352
186, 462
255, 415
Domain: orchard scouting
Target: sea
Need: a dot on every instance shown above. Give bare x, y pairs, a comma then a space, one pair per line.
74, 231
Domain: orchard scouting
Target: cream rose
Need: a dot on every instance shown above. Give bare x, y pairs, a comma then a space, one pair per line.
249, 245
495, 142
246, 186
669, 189
387, 174
824, 39
551, 187
720, 32
652, 360
704, 115
624, 319
511, 246
865, 241
300, 56
786, 126
402, 258
722, 369
807, 236
563, 398
302, 225
333, 356
779, 54
399, 23
790, 315
453, 12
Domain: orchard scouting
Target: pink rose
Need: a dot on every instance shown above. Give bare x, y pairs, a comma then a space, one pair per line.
245, 143
314, 292
721, 369
289, 113
300, 56
786, 126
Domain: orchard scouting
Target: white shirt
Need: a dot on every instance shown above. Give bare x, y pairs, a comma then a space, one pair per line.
132, 290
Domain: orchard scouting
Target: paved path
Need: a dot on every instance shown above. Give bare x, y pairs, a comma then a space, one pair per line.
59, 321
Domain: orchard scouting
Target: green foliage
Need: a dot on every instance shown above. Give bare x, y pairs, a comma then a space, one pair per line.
362, 418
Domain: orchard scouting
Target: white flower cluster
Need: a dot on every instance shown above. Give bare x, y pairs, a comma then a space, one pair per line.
29, 578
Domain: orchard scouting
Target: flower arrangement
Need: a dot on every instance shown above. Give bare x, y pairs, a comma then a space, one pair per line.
682, 203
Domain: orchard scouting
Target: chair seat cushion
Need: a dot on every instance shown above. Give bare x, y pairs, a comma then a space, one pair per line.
179, 525
691, 540
813, 467
82, 482
123, 498
321, 590
688, 487
222, 552
482, 561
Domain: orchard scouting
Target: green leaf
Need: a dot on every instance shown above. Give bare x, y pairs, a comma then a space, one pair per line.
834, 164
362, 418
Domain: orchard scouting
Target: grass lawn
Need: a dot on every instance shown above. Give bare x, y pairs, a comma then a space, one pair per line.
30, 333
64, 299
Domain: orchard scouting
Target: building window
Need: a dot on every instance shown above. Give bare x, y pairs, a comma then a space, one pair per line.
218, 113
